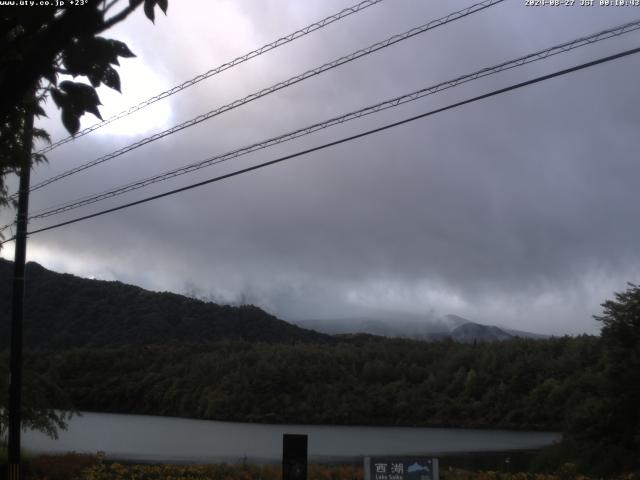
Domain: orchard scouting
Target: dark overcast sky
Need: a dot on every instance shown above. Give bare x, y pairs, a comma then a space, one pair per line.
520, 210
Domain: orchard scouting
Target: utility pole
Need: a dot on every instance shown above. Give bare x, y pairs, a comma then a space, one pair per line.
15, 359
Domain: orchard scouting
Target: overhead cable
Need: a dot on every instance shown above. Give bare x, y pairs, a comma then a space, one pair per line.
278, 86
219, 69
390, 103
342, 140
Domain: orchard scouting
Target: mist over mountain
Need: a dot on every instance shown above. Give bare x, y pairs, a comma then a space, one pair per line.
427, 327
64, 311
474, 332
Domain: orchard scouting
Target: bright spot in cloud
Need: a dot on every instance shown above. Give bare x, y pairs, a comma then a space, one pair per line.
138, 83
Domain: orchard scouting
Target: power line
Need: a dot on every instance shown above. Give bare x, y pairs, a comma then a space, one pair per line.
523, 60
278, 86
343, 140
219, 69
387, 104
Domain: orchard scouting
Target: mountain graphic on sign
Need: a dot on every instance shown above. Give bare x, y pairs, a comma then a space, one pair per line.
416, 467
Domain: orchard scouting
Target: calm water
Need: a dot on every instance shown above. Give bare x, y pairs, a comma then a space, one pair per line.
148, 438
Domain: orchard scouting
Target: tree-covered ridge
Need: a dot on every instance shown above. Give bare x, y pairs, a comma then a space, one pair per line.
522, 384
64, 311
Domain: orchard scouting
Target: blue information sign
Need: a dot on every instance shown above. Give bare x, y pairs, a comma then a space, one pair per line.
401, 468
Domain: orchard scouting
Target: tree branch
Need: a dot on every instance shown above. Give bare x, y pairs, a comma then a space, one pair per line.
109, 5
118, 17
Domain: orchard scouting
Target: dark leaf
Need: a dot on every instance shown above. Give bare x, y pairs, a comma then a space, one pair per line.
51, 75
94, 109
58, 97
41, 134
77, 58
95, 77
67, 86
148, 9
163, 4
40, 158
81, 93
121, 49
82, 98
103, 51
91, 56
70, 120
111, 79
39, 111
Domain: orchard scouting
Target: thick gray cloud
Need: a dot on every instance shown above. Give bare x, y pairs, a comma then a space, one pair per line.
518, 210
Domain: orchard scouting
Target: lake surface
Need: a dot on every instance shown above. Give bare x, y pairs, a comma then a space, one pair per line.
148, 438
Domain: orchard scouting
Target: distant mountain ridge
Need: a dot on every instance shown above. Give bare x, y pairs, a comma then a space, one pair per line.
474, 332
64, 311
450, 326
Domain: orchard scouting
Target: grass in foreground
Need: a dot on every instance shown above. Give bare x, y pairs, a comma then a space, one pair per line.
74, 466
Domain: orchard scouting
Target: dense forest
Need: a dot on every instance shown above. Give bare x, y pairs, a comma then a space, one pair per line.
359, 380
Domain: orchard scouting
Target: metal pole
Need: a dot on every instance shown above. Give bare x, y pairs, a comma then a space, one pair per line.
15, 361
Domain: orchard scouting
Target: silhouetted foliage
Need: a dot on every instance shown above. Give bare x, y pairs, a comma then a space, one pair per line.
41, 389
603, 431
39, 43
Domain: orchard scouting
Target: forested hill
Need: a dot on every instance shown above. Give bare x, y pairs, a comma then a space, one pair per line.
64, 311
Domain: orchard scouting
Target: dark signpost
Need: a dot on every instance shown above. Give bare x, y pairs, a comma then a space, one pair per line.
294, 457
401, 468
